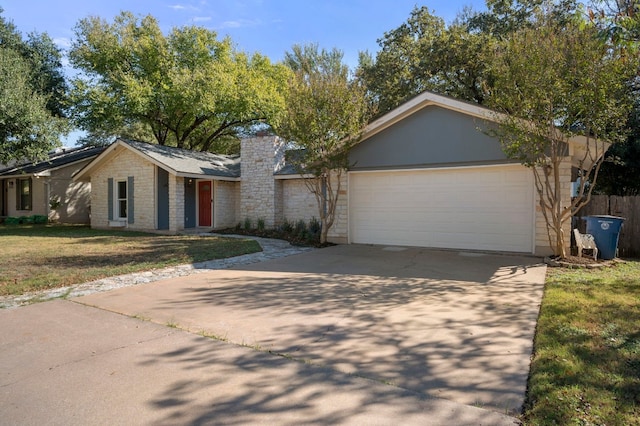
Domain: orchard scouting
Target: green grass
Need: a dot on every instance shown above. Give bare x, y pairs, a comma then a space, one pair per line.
37, 257
586, 364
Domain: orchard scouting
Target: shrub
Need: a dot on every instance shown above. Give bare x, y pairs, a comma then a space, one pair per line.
40, 219
260, 224
286, 227
315, 226
247, 223
301, 228
12, 220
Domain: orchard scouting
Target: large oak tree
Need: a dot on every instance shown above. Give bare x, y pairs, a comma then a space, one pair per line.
32, 95
187, 89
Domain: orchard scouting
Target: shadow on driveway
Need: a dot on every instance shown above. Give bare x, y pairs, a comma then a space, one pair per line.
442, 324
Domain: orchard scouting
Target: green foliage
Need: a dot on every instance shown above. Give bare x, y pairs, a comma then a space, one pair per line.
620, 172
247, 224
300, 228
619, 21
260, 224
32, 92
187, 89
426, 54
286, 227
326, 112
554, 82
35, 219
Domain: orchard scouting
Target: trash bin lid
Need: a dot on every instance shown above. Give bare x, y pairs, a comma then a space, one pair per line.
606, 216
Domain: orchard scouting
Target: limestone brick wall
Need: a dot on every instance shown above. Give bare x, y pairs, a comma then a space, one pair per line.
542, 240
124, 164
176, 203
297, 201
225, 201
260, 157
339, 232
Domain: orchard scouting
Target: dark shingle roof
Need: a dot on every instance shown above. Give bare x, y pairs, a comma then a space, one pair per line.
56, 159
186, 162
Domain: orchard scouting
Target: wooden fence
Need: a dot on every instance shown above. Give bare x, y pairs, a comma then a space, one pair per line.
626, 207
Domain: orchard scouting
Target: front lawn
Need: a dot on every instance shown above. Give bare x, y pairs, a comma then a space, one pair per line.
36, 257
586, 364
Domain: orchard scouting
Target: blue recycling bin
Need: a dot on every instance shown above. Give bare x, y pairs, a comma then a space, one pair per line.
605, 230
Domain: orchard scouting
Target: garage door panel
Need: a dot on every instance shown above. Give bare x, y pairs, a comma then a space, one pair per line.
473, 208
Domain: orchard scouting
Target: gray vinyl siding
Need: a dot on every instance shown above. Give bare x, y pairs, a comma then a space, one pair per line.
431, 137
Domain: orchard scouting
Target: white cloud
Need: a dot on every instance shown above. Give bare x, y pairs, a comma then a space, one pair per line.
201, 18
182, 7
240, 23
62, 42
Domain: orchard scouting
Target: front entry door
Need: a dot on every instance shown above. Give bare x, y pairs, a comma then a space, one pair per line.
204, 204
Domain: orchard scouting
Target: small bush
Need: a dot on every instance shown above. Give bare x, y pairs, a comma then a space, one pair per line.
314, 226
286, 227
247, 223
260, 224
12, 220
238, 226
40, 219
301, 228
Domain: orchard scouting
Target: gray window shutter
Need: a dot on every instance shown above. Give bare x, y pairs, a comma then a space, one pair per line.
110, 198
130, 199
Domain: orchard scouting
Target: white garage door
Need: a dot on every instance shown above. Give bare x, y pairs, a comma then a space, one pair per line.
479, 208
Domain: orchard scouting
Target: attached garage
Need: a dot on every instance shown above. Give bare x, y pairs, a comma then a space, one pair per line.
429, 174
475, 208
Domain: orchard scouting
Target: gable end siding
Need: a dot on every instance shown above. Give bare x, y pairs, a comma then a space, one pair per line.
432, 137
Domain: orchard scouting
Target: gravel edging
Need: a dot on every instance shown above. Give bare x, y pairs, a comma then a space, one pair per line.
271, 249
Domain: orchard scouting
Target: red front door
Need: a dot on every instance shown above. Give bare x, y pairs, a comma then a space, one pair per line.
204, 203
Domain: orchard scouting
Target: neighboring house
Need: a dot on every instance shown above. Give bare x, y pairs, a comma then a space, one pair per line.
46, 187
425, 174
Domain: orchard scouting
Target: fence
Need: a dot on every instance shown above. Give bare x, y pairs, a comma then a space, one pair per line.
626, 207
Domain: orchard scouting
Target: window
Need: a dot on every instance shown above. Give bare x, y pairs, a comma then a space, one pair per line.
24, 194
121, 199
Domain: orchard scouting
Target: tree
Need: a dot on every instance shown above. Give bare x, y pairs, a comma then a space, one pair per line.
187, 89
620, 172
326, 112
553, 83
27, 128
426, 54
619, 21
32, 95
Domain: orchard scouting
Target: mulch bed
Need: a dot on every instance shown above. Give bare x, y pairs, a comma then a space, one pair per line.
579, 262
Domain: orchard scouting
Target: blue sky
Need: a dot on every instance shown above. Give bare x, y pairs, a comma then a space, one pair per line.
270, 27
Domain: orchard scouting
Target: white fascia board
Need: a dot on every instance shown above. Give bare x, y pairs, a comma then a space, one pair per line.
207, 177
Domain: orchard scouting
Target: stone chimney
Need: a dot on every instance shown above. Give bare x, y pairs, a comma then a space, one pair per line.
260, 193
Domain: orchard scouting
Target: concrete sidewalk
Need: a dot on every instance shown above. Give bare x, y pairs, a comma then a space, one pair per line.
65, 364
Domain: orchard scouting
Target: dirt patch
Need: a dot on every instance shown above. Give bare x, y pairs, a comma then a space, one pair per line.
579, 262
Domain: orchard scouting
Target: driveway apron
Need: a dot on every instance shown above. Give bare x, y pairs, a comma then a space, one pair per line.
452, 325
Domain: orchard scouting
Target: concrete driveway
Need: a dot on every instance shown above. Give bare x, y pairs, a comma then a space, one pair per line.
366, 334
